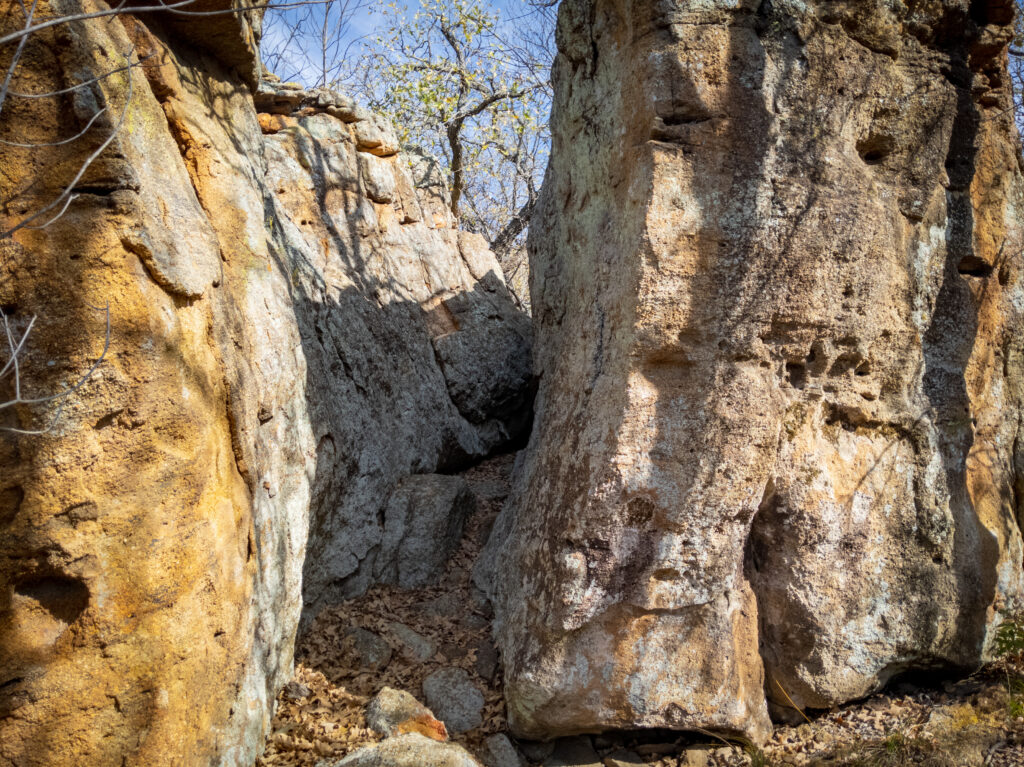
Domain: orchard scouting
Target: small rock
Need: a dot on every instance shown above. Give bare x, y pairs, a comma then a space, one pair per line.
501, 752
366, 650
274, 123
695, 757
411, 750
721, 755
574, 752
296, 691
454, 698
486, 665
415, 646
622, 758
276, 98
377, 136
378, 178
394, 712
447, 605
535, 750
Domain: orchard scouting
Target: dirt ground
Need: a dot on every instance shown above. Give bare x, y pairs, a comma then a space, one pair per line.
977, 721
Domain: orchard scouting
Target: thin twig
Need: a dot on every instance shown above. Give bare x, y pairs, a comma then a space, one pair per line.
63, 396
69, 188
794, 705
58, 143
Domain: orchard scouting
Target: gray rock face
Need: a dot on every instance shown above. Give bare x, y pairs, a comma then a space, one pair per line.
454, 698
410, 750
382, 292
779, 341
422, 525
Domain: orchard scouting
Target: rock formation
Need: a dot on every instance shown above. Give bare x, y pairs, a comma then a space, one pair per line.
293, 330
776, 281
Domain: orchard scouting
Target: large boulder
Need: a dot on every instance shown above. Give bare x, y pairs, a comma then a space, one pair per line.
777, 290
423, 523
271, 360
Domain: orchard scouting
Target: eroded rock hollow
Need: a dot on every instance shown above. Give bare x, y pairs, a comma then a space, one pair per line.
295, 327
776, 280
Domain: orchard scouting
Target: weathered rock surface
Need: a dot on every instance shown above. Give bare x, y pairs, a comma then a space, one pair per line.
271, 362
777, 288
410, 750
413, 645
365, 650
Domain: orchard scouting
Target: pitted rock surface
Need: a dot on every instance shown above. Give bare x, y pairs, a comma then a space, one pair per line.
777, 289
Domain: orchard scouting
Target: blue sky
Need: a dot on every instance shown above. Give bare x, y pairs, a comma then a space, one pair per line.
362, 25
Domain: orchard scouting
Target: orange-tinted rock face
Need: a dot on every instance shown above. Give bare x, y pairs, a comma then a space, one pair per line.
129, 564
777, 290
152, 542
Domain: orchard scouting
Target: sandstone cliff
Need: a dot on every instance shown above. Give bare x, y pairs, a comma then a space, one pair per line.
294, 329
777, 290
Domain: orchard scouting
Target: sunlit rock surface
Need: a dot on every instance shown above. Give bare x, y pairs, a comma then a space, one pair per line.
776, 281
291, 329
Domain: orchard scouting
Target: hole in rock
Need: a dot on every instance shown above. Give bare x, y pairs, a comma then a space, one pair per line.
640, 512
60, 598
847, 418
685, 119
97, 190
973, 266
875, 148
10, 502
903, 681
797, 374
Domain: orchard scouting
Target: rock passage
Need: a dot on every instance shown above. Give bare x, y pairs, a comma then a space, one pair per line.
776, 457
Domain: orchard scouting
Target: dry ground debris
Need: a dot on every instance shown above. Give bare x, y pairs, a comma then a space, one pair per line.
925, 721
